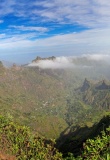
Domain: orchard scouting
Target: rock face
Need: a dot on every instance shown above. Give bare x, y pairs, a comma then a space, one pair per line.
103, 86
86, 85
39, 58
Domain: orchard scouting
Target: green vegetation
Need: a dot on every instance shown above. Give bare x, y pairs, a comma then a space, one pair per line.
73, 140
57, 104
98, 148
35, 97
18, 141
95, 149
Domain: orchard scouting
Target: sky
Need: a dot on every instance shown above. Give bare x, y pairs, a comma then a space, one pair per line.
31, 28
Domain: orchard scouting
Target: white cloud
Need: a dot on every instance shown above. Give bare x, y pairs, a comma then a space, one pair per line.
6, 7
29, 28
98, 57
1, 21
59, 62
15, 38
91, 41
72, 62
2, 36
89, 13
84, 12
93, 14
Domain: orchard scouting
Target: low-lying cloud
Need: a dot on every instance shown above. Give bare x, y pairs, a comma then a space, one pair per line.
71, 62
98, 57
58, 62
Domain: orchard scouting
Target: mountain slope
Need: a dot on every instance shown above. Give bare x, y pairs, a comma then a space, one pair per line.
47, 100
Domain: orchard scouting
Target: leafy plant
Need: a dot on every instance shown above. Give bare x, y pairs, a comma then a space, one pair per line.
98, 148
19, 141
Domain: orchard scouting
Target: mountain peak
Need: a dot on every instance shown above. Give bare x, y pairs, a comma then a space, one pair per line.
103, 86
38, 58
86, 85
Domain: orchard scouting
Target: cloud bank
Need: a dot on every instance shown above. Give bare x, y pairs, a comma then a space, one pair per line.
59, 62
99, 57
71, 62
89, 42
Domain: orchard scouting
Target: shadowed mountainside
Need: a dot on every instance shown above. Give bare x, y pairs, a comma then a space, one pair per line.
73, 140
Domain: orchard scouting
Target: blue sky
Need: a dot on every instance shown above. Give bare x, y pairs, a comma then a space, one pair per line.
53, 27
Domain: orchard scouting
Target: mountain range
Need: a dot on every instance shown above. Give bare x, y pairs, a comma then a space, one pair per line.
56, 102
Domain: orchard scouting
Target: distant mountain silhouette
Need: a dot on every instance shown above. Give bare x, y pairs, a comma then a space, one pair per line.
48, 58
103, 86
86, 85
